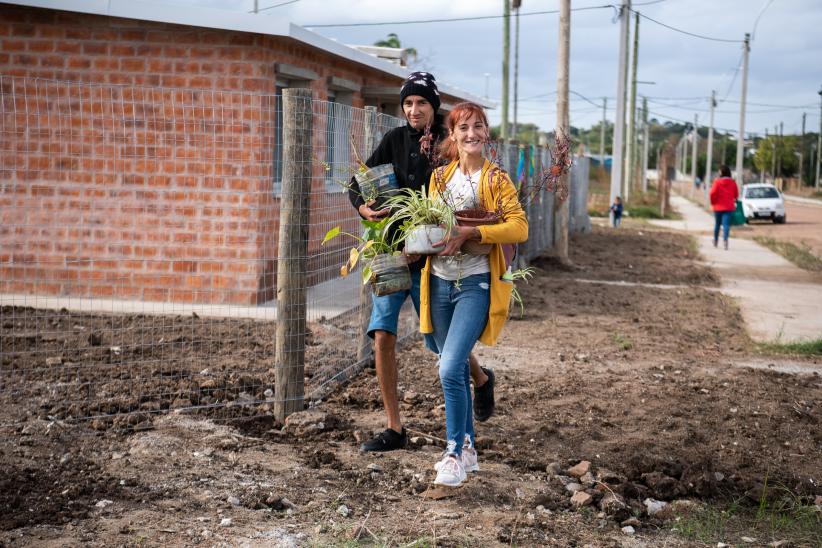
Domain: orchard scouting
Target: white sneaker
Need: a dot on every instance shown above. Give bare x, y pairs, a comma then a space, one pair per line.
469, 460
450, 471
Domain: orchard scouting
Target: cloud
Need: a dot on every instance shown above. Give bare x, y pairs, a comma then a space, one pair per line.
785, 62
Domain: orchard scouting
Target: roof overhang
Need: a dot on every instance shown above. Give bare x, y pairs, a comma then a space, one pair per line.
237, 21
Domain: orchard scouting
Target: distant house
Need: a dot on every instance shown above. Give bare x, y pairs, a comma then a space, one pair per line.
142, 145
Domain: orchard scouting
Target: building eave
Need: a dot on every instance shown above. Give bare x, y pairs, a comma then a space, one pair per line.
234, 21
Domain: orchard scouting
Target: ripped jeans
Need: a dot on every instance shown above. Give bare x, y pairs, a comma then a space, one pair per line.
458, 316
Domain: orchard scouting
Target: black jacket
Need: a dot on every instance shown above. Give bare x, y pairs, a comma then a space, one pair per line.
401, 147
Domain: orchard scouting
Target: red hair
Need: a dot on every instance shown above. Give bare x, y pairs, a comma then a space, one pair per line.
463, 111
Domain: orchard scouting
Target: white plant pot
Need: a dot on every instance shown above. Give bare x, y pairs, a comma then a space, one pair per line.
421, 239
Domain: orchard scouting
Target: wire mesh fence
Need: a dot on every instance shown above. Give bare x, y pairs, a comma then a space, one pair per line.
153, 240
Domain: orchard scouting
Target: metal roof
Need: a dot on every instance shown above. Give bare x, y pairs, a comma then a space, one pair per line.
235, 21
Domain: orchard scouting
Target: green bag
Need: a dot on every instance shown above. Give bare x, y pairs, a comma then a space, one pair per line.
738, 218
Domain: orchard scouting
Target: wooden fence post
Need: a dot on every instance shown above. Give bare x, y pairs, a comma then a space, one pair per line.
666, 160
364, 350
292, 251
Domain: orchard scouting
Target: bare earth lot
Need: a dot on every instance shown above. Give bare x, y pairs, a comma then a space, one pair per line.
646, 380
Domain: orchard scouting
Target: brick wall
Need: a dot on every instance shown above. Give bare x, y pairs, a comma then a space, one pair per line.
137, 158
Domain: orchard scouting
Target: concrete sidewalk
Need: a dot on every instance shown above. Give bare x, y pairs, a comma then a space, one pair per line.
779, 301
802, 200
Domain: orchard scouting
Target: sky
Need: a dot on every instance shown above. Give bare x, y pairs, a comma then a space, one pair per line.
785, 64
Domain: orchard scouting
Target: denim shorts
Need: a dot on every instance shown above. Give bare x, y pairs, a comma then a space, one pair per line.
385, 310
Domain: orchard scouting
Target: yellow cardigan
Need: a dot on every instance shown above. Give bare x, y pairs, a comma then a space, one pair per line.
512, 229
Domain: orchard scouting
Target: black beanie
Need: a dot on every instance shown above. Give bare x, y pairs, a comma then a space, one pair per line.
423, 84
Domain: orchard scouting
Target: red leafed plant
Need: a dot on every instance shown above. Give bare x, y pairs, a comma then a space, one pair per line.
550, 179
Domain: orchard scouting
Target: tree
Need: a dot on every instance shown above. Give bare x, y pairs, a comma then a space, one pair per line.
784, 148
393, 41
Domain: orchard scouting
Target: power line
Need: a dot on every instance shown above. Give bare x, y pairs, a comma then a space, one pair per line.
758, 17
772, 105
685, 31
452, 19
733, 80
275, 6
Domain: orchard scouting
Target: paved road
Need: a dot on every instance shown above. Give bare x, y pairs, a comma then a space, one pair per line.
803, 226
779, 301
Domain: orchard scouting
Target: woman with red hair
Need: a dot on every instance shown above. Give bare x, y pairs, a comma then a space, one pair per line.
464, 298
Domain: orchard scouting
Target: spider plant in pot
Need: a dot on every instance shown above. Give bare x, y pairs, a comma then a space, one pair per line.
425, 221
384, 266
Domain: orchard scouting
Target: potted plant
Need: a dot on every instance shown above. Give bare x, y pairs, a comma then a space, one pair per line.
550, 179
376, 183
425, 221
383, 266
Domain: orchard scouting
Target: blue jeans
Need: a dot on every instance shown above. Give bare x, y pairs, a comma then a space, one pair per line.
723, 218
458, 316
385, 310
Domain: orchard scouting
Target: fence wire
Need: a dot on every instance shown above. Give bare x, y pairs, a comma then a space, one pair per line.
140, 249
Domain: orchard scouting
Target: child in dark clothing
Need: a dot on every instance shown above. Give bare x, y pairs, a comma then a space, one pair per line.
616, 211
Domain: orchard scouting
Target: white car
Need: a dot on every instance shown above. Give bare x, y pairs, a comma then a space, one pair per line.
763, 201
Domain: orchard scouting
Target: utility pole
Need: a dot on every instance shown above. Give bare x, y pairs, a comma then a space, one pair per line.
645, 144
773, 154
506, 55
709, 159
779, 149
619, 123
602, 135
629, 137
695, 155
740, 144
818, 143
516, 6
562, 209
802, 152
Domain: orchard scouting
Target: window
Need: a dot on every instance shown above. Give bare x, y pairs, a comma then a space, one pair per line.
761, 193
277, 170
287, 76
337, 143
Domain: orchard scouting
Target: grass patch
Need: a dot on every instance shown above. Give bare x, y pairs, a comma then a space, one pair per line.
623, 343
804, 348
644, 212
780, 516
801, 256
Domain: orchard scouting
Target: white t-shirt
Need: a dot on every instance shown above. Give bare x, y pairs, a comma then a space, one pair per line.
462, 192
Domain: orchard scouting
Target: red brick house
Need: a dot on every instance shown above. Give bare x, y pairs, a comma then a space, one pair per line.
141, 146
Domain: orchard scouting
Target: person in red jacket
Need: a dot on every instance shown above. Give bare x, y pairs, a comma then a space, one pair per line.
723, 200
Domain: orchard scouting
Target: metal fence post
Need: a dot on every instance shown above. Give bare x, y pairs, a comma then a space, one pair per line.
364, 350
289, 356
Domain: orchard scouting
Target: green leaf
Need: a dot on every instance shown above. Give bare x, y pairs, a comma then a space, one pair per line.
366, 275
331, 234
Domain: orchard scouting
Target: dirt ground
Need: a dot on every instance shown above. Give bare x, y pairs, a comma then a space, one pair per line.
645, 378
